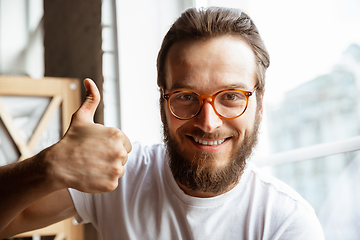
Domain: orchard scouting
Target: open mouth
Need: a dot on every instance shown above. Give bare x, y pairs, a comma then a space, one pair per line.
209, 142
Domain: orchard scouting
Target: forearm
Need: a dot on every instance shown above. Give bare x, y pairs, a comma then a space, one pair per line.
89, 158
21, 185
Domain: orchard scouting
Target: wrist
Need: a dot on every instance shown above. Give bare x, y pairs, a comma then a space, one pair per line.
45, 162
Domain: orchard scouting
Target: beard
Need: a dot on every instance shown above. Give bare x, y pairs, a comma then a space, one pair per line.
194, 174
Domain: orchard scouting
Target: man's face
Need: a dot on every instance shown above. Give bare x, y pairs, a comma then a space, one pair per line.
206, 67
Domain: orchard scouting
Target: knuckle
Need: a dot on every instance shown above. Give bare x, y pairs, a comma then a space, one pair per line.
122, 172
123, 153
113, 185
116, 133
124, 160
120, 153
116, 171
113, 180
110, 186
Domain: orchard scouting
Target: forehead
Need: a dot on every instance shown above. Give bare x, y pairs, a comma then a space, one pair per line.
210, 64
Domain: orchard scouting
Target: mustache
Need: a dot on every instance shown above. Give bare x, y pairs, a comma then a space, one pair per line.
199, 133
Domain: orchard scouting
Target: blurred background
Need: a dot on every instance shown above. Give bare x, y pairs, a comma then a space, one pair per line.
310, 136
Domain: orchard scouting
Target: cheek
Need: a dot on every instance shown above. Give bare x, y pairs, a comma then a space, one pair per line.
172, 122
246, 122
241, 125
252, 110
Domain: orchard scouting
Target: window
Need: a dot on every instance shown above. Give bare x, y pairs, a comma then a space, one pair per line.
310, 137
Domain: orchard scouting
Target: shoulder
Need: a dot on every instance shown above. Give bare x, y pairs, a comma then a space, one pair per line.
289, 214
274, 188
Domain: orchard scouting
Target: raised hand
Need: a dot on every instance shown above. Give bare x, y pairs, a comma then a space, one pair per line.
90, 157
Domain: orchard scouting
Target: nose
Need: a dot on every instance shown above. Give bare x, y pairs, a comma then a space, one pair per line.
207, 120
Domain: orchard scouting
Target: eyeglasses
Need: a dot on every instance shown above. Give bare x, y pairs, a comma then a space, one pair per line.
228, 103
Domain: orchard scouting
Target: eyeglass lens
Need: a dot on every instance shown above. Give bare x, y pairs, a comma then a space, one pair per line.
228, 104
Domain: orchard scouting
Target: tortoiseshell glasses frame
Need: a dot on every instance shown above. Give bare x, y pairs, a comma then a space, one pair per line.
228, 103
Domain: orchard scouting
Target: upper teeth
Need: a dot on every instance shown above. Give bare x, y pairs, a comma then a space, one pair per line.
209, 143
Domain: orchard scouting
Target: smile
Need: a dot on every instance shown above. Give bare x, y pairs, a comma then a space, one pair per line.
209, 143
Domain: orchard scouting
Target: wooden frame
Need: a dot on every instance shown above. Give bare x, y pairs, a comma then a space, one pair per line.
65, 94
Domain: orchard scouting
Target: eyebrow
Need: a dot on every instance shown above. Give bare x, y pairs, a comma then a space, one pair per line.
241, 86
183, 85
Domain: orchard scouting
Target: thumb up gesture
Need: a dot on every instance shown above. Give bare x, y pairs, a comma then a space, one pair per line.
90, 157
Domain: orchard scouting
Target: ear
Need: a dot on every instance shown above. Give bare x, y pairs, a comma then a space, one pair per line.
261, 107
262, 102
162, 110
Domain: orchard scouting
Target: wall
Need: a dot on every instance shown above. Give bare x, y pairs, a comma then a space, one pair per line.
73, 41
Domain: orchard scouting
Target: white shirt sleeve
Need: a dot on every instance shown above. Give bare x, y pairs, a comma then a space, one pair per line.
83, 205
302, 225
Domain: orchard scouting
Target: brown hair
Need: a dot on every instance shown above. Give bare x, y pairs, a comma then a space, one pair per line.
212, 22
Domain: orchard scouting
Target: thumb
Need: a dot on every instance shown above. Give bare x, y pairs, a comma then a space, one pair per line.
87, 110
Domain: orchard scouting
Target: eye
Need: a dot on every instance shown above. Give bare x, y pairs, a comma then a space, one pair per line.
230, 99
184, 96
232, 96
184, 99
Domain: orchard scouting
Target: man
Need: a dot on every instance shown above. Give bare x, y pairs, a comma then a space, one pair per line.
198, 185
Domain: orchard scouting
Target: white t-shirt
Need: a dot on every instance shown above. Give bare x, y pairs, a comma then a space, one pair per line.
148, 204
